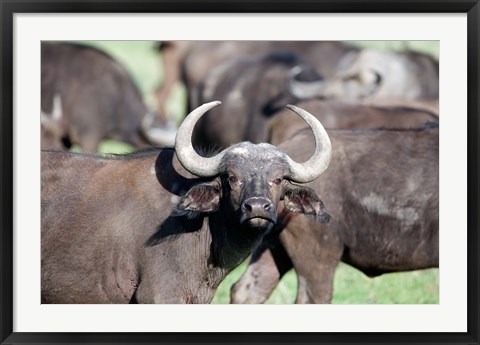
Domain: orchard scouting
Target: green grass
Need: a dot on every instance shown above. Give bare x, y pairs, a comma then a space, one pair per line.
285, 293
417, 287
351, 286
109, 146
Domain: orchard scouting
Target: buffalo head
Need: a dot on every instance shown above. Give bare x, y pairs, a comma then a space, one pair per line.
372, 75
249, 180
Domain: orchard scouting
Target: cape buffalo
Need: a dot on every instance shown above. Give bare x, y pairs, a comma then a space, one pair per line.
382, 192
165, 225
99, 100
375, 74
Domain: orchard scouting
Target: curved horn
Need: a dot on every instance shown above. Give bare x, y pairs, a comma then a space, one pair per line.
303, 89
187, 156
318, 163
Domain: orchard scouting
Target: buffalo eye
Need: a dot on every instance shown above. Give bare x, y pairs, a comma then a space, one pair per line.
233, 180
277, 181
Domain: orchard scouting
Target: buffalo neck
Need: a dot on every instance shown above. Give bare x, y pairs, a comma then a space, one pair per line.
231, 242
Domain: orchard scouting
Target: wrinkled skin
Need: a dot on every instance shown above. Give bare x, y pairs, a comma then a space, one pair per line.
382, 192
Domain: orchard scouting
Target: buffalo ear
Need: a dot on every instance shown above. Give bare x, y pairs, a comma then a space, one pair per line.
202, 198
304, 200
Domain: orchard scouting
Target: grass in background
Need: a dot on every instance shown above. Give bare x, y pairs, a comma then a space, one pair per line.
109, 146
417, 287
284, 293
351, 286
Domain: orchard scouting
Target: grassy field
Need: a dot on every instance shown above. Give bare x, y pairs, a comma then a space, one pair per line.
351, 286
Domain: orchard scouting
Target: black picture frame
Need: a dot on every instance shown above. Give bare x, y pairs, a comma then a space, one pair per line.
9, 8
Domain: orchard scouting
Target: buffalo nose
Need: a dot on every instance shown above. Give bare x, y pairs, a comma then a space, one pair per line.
257, 203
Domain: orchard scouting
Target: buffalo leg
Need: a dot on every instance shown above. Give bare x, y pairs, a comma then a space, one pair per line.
89, 143
268, 264
315, 252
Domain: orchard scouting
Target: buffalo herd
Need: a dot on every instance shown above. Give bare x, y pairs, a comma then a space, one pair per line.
294, 155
